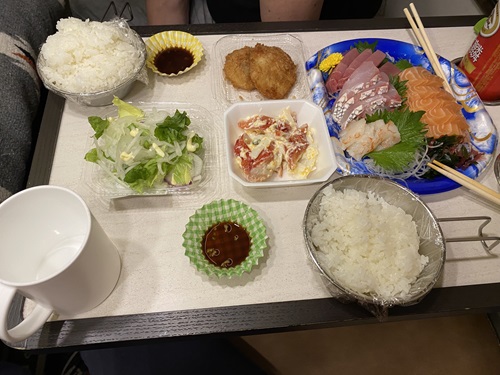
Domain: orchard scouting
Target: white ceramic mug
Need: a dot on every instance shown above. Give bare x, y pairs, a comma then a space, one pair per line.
53, 252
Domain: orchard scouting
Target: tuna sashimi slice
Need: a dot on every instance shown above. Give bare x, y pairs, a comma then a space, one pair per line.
393, 99
379, 88
390, 69
332, 82
365, 73
362, 108
354, 65
377, 57
365, 77
337, 72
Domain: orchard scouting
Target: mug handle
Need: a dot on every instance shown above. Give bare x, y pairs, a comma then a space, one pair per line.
28, 326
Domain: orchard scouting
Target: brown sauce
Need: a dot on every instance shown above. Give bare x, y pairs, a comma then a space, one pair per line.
173, 60
226, 244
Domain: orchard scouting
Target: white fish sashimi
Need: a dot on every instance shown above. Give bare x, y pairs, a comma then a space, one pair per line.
360, 138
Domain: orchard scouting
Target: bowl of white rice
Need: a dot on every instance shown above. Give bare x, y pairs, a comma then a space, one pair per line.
374, 241
90, 62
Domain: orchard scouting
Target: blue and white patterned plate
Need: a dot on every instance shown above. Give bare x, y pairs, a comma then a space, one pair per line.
484, 133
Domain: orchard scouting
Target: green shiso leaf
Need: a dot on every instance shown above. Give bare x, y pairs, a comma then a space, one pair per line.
398, 157
361, 46
403, 64
400, 87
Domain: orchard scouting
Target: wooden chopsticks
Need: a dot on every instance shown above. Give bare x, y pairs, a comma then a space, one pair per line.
468, 182
423, 39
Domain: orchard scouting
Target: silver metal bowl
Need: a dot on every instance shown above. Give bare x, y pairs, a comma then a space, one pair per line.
432, 243
496, 168
101, 98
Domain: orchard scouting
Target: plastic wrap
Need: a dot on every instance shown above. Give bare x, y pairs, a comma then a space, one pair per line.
104, 97
432, 243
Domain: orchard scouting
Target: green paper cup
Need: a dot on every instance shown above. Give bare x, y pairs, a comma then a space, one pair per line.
224, 210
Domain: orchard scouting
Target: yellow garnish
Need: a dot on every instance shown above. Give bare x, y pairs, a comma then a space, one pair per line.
330, 62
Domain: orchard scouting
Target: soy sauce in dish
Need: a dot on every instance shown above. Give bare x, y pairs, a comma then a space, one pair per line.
226, 244
173, 60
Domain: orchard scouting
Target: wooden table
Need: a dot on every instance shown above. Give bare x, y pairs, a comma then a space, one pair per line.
285, 292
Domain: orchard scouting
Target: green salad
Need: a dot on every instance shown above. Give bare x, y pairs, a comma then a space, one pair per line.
144, 150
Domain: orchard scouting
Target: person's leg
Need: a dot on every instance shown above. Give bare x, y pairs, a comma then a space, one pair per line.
21, 35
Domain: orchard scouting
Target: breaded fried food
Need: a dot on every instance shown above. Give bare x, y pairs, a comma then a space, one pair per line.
237, 68
272, 71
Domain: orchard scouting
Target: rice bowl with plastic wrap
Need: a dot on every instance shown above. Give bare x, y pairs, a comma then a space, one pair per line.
374, 241
89, 62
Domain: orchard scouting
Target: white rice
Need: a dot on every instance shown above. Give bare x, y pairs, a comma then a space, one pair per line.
88, 56
366, 244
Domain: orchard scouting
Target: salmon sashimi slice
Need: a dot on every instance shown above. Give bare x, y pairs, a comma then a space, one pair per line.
443, 115
426, 92
429, 103
444, 120
417, 76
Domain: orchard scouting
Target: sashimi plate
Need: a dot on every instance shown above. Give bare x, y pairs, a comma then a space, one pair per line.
483, 132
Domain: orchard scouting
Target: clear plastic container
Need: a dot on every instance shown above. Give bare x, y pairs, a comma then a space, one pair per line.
202, 122
292, 45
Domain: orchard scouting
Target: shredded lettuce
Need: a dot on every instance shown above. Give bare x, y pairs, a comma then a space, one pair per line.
146, 150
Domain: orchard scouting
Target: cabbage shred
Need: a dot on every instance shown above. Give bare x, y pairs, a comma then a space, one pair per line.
146, 150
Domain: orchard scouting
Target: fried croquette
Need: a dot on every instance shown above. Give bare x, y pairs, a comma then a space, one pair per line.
272, 71
237, 68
